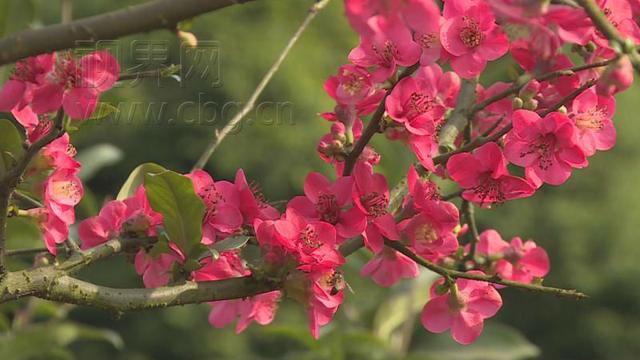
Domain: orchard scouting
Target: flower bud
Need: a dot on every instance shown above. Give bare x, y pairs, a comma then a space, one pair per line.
530, 104
187, 38
517, 103
529, 90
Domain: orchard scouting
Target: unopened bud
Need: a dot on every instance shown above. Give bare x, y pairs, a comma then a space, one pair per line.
562, 109
517, 103
530, 104
187, 38
529, 90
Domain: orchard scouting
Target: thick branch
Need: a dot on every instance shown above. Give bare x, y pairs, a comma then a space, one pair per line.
460, 116
454, 274
159, 14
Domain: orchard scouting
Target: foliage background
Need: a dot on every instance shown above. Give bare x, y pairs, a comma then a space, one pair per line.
588, 226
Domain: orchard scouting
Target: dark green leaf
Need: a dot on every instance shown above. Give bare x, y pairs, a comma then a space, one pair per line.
173, 196
136, 178
10, 145
231, 243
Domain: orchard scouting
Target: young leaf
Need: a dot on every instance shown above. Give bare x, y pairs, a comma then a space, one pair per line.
10, 145
173, 196
103, 110
136, 178
231, 243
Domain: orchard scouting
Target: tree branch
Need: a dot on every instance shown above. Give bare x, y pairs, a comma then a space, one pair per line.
460, 116
220, 135
454, 274
616, 39
374, 125
158, 14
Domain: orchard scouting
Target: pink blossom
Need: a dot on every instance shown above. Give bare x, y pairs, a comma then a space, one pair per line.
430, 232
351, 85
485, 177
471, 36
388, 266
414, 104
311, 242
420, 192
462, 309
547, 148
260, 308
389, 45
592, 115
371, 196
54, 230
423, 17
252, 203
517, 261
76, 85
156, 271
331, 203
325, 296
107, 225
616, 78
63, 191
222, 206
140, 219
60, 153
29, 73
620, 15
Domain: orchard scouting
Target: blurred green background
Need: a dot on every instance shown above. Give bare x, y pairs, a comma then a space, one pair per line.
589, 225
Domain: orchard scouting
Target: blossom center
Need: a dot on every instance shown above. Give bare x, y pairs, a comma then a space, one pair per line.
65, 190
386, 53
426, 41
418, 104
544, 148
327, 207
352, 83
309, 237
470, 34
375, 203
426, 234
489, 189
592, 119
210, 197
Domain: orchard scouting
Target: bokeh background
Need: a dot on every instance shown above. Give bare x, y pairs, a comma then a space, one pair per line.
589, 225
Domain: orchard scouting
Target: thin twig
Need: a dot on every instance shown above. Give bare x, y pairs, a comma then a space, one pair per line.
374, 125
27, 199
454, 274
219, 136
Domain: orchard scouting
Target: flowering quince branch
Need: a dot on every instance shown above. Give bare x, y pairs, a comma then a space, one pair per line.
219, 136
455, 274
601, 19
197, 239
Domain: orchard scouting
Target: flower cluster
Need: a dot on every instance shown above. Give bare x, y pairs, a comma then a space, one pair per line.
45, 83
496, 143
61, 191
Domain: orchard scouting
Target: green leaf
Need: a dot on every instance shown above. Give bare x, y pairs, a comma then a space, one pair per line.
103, 110
497, 342
231, 243
173, 196
97, 157
136, 178
10, 145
